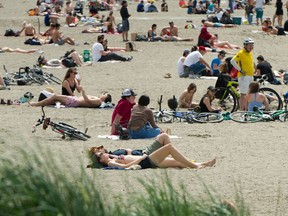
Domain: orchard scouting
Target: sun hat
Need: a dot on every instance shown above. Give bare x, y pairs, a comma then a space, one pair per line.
128, 93
202, 48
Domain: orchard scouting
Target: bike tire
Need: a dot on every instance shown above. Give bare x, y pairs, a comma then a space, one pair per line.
229, 103
283, 117
246, 117
275, 104
77, 135
161, 116
208, 117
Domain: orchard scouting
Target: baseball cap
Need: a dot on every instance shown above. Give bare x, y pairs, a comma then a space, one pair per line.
128, 92
222, 52
202, 48
212, 88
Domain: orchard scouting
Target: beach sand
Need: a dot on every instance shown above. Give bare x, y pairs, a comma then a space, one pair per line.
252, 156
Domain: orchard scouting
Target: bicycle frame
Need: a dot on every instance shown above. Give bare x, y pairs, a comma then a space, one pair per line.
61, 128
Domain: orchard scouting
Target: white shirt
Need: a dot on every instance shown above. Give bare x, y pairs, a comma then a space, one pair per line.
146, 6
259, 3
180, 66
193, 58
96, 51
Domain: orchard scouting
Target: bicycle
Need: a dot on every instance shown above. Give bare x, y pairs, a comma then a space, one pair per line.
229, 96
190, 116
28, 76
61, 128
259, 115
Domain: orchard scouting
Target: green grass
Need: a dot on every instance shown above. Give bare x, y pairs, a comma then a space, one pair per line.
37, 186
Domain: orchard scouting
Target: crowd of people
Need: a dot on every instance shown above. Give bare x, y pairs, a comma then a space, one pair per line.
137, 118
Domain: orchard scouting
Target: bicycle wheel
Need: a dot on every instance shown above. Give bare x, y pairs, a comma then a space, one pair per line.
246, 117
77, 135
228, 100
161, 116
208, 118
283, 117
273, 98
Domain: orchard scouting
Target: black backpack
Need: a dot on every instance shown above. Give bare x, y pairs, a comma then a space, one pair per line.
68, 62
9, 33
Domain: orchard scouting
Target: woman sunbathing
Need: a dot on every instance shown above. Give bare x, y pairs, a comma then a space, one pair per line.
18, 50
73, 101
223, 44
157, 159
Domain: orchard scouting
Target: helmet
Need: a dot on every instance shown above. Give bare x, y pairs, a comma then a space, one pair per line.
248, 41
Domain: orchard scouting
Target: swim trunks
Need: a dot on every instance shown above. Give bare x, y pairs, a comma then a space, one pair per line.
72, 102
60, 42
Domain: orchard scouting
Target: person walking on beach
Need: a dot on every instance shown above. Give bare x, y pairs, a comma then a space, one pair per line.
278, 13
125, 22
243, 62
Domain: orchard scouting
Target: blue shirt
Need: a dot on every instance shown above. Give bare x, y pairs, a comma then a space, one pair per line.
215, 61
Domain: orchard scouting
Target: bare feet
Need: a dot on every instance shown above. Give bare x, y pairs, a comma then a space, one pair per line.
207, 164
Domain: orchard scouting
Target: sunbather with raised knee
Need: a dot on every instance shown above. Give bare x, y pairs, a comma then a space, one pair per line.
73, 101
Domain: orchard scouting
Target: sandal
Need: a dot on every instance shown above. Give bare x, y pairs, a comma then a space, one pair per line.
167, 75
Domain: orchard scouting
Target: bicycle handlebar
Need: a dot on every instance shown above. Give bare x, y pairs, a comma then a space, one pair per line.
40, 120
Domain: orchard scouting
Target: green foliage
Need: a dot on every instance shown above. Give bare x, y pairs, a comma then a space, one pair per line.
37, 186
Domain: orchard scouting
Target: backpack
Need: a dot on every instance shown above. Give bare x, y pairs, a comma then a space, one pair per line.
119, 27
285, 78
9, 33
130, 46
68, 62
141, 38
281, 31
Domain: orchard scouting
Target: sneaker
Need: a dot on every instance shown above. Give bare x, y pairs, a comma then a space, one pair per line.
129, 58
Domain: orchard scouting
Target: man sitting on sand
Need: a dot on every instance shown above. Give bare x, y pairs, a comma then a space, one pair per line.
58, 38
100, 55
171, 33
87, 101
217, 24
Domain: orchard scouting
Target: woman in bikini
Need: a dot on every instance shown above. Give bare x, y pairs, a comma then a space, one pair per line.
152, 35
157, 159
71, 83
87, 101
256, 99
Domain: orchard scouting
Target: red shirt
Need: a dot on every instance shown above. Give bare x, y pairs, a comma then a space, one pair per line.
123, 108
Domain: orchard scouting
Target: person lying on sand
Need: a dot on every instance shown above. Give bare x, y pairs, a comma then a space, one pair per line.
87, 101
223, 44
156, 159
18, 50
217, 24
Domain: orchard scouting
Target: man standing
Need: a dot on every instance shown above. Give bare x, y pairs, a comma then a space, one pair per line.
243, 62
100, 55
125, 22
259, 11
195, 64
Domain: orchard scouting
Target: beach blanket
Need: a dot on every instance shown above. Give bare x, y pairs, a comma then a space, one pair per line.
116, 137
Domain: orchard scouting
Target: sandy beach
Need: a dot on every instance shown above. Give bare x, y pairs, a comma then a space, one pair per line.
252, 156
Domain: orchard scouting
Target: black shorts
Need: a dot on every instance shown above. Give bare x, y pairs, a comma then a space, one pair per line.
147, 163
